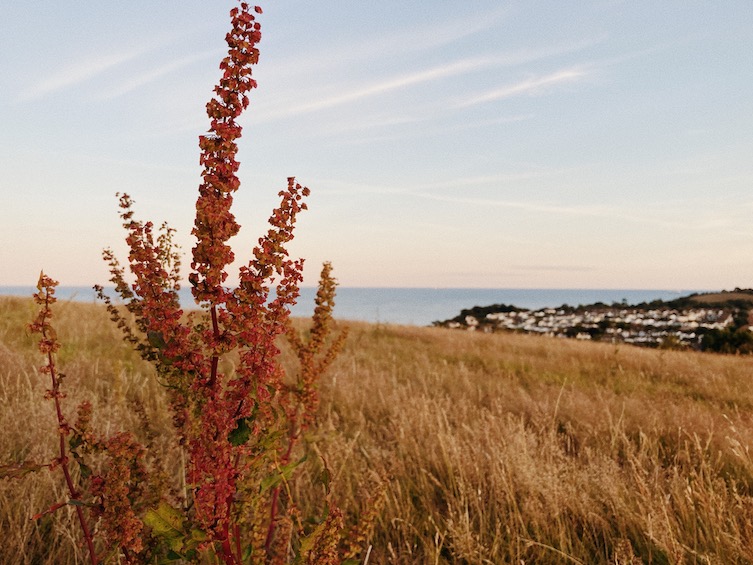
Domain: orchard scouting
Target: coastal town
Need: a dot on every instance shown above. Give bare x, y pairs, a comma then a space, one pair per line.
685, 323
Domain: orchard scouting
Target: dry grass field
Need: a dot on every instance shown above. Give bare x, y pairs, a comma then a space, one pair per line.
479, 448
717, 297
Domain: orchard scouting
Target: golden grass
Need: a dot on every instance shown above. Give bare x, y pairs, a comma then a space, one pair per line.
488, 448
717, 297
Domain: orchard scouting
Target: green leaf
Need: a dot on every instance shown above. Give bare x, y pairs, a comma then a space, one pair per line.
75, 441
85, 470
166, 522
76, 502
270, 481
156, 339
308, 542
193, 541
240, 434
199, 535
325, 477
267, 441
284, 472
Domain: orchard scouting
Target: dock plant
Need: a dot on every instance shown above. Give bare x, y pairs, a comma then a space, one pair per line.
240, 421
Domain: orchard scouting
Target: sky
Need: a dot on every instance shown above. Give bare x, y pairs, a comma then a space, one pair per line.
485, 143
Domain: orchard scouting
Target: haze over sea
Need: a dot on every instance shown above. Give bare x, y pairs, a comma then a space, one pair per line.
417, 306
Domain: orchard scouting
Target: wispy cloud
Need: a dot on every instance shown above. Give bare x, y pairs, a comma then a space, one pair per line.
460, 67
398, 132
348, 94
136, 82
593, 210
710, 222
422, 190
76, 73
395, 83
399, 42
89, 67
713, 221
438, 35
480, 180
361, 189
531, 85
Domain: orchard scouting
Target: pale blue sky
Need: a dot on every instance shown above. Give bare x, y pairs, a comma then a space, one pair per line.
451, 144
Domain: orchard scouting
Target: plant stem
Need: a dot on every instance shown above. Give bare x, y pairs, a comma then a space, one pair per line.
227, 547
63, 459
215, 357
276, 493
237, 535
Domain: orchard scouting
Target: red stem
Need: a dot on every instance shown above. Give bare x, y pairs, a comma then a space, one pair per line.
276, 493
272, 516
237, 536
63, 459
236, 527
215, 357
227, 553
226, 544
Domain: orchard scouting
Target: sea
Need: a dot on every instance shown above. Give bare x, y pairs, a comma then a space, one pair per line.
418, 306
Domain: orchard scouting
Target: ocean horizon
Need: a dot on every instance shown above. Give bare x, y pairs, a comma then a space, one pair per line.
416, 306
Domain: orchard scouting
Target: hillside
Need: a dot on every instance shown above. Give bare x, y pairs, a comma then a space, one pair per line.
483, 448
717, 322
737, 295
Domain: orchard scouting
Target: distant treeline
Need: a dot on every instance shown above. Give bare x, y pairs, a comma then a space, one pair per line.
480, 313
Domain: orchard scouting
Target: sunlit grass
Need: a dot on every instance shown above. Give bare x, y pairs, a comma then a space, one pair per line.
487, 448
